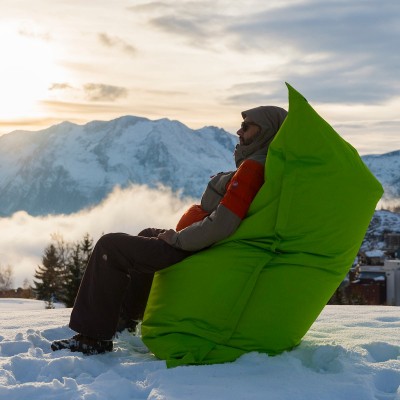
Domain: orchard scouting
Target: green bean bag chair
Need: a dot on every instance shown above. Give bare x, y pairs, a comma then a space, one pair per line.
263, 287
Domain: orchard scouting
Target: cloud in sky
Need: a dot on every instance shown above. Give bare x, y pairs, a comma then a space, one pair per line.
35, 34
109, 41
101, 92
184, 27
352, 44
60, 86
23, 237
93, 91
347, 47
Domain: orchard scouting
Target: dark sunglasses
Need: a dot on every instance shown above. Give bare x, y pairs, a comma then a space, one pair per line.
246, 125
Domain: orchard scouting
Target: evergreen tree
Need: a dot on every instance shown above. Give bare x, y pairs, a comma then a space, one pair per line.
72, 277
74, 269
86, 250
47, 277
62, 269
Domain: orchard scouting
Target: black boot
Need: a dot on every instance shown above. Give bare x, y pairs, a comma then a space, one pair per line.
129, 324
83, 344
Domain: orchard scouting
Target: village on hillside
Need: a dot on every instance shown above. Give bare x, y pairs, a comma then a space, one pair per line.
374, 278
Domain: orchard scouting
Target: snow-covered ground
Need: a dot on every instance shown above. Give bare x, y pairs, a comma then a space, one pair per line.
350, 353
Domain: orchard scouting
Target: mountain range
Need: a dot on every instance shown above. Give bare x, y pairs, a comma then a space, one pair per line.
67, 167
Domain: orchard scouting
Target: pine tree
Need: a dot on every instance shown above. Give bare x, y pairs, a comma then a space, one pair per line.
72, 277
62, 269
47, 277
86, 250
74, 269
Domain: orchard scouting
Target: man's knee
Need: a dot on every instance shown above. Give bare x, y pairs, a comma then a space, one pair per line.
107, 241
108, 248
149, 232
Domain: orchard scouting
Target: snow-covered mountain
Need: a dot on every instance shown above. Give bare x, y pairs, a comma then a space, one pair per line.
386, 168
67, 167
382, 222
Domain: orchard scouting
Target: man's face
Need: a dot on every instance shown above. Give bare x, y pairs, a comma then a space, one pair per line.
248, 132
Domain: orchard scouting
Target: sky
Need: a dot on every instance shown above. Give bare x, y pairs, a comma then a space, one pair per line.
202, 62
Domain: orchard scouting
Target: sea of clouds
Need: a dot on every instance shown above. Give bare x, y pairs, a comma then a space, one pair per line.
23, 237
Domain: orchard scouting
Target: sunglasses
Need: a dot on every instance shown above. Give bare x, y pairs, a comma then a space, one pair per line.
246, 125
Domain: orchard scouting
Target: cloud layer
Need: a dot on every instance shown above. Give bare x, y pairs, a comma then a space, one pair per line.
23, 237
341, 45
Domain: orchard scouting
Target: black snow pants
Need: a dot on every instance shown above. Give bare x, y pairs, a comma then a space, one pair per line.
119, 277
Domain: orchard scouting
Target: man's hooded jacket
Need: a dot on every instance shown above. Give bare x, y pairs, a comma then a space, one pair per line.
228, 195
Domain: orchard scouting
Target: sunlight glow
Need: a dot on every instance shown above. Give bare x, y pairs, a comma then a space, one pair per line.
27, 69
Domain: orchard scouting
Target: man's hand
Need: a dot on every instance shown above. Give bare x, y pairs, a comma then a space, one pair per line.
169, 236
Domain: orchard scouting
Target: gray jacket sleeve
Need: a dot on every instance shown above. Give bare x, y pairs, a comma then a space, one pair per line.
220, 224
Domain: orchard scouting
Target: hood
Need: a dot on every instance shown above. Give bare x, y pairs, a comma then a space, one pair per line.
270, 119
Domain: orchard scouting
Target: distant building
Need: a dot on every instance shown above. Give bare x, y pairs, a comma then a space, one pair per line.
392, 243
373, 257
392, 271
17, 293
375, 285
369, 286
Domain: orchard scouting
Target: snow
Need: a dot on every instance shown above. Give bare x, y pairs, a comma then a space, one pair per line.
350, 353
385, 221
375, 253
